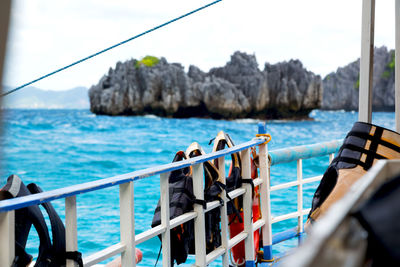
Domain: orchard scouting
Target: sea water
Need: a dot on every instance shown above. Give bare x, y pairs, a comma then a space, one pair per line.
58, 148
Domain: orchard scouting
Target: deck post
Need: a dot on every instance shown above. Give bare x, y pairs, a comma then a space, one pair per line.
300, 198
247, 209
5, 8
366, 61
164, 204
265, 196
224, 214
397, 65
7, 245
127, 223
199, 221
71, 228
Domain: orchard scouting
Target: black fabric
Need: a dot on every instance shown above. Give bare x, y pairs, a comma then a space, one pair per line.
380, 216
181, 201
351, 161
51, 254
75, 256
249, 181
325, 187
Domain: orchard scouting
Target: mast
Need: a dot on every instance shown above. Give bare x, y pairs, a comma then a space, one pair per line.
366, 61
5, 6
397, 65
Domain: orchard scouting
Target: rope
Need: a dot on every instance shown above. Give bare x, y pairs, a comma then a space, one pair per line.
267, 137
108, 48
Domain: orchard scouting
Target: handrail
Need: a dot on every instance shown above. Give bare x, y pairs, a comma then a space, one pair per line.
276, 157
25, 201
303, 152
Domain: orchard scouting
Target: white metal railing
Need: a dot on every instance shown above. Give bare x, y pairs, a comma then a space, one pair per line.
284, 156
128, 239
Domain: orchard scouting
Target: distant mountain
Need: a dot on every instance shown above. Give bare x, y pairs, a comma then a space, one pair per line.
34, 98
341, 88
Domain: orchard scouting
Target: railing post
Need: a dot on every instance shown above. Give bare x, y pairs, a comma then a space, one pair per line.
397, 65
265, 197
300, 197
224, 214
366, 61
199, 221
127, 223
7, 231
164, 204
247, 209
71, 232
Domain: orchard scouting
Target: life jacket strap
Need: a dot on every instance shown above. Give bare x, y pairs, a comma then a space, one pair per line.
352, 161
249, 181
375, 138
200, 202
75, 256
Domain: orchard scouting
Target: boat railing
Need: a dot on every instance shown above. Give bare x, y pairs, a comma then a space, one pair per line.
128, 239
294, 154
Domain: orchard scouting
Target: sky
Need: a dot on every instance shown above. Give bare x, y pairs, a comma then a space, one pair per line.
46, 35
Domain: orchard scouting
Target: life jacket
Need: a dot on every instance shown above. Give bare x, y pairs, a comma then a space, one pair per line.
235, 207
212, 191
51, 252
181, 200
363, 146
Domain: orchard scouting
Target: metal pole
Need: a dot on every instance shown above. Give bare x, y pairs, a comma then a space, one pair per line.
127, 223
265, 197
165, 219
247, 209
300, 197
397, 65
199, 222
366, 61
71, 228
5, 8
224, 214
7, 242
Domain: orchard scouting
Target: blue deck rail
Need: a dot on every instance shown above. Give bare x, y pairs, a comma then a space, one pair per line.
128, 242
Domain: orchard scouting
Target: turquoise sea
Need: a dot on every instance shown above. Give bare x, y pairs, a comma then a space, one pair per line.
57, 148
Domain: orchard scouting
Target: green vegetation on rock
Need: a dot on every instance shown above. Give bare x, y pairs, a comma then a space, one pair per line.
148, 61
392, 63
389, 68
357, 83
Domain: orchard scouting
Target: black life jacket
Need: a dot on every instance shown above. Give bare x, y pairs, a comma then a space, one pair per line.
363, 146
212, 191
182, 200
234, 179
51, 254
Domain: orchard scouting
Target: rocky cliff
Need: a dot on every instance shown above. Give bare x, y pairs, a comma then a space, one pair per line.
341, 88
237, 90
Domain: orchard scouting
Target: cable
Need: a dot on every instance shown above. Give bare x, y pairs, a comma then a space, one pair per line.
107, 49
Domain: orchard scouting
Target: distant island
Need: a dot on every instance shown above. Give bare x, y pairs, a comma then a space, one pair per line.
35, 98
341, 88
237, 90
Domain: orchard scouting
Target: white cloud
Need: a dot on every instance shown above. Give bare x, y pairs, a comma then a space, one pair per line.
49, 34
